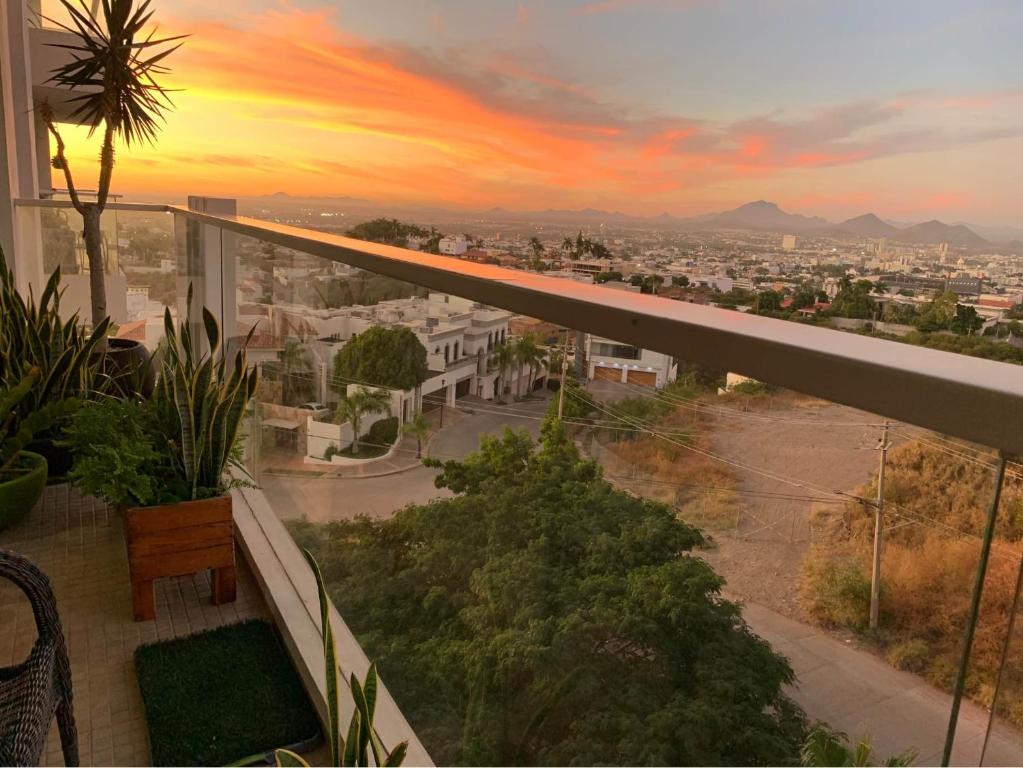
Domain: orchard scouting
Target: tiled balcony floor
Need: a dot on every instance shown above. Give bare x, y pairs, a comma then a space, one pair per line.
79, 543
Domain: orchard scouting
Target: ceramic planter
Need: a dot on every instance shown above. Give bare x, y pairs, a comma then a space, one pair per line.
20, 491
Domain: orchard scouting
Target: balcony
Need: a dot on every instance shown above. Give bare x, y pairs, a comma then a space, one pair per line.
223, 255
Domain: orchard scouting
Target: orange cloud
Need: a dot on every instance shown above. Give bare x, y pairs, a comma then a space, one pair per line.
287, 100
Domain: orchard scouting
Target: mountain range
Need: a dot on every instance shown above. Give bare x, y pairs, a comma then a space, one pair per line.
763, 215
760, 215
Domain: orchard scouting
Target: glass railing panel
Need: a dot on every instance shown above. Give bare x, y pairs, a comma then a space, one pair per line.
782, 487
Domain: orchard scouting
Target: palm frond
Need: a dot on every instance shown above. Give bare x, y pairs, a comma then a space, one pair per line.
116, 64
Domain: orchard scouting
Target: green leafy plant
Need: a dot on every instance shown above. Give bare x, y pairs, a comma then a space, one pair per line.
362, 741
35, 341
113, 63
115, 453
176, 446
201, 403
827, 747
17, 432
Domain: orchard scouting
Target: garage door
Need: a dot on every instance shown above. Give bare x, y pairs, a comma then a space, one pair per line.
644, 378
606, 373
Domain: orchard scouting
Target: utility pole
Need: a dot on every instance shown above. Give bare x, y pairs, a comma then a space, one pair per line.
564, 370
875, 576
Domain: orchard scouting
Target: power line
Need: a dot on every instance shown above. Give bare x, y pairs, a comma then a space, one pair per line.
694, 404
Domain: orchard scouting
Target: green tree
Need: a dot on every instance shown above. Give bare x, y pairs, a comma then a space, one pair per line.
825, 747
381, 357
296, 368
529, 354
418, 426
505, 357
358, 403
112, 51
680, 280
966, 321
937, 315
541, 616
853, 299
767, 301
805, 296
536, 247
394, 232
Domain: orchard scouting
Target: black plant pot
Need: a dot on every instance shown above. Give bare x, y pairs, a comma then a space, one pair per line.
58, 458
130, 367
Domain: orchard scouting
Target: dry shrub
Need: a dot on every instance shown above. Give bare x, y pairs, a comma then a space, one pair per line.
835, 588
928, 570
691, 474
913, 655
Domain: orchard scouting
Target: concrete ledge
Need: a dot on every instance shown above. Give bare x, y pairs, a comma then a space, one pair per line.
289, 589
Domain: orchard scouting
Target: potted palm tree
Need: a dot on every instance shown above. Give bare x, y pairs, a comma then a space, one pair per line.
165, 461
112, 69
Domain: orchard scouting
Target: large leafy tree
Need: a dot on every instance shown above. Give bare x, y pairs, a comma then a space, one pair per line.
541, 616
394, 232
113, 65
381, 357
853, 299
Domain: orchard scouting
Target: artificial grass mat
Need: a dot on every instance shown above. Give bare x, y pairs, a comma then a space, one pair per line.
219, 696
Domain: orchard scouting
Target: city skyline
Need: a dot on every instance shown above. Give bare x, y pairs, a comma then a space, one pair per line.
907, 112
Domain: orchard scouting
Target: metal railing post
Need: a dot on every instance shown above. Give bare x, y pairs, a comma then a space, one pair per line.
971, 624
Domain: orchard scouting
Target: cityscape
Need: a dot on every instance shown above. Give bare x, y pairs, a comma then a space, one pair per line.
527, 456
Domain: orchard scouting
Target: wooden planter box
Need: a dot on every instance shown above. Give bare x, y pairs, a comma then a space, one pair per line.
179, 540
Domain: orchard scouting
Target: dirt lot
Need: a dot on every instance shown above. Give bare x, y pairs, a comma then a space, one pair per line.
823, 445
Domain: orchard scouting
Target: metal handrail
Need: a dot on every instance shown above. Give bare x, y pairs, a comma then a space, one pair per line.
967, 397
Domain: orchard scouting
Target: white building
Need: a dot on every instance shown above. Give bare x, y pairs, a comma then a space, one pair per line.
459, 336
609, 360
788, 242
453, 245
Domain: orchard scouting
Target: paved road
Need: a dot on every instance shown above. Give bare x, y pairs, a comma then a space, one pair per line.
851, 689
324, 499
859, 693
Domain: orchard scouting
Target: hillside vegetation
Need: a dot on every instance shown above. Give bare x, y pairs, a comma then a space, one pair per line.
927, 569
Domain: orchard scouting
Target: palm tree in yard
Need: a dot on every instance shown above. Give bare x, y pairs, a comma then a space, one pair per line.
418, 427
357, 404
529, 354
505, 358
114, 65
296, 372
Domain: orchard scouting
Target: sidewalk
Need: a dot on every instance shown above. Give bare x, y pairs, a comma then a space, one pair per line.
857, 692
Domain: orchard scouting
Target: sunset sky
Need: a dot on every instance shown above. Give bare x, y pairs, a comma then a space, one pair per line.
912, 109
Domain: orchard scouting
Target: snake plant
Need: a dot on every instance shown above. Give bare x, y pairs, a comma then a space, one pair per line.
362, 744
204, 399
33, 337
